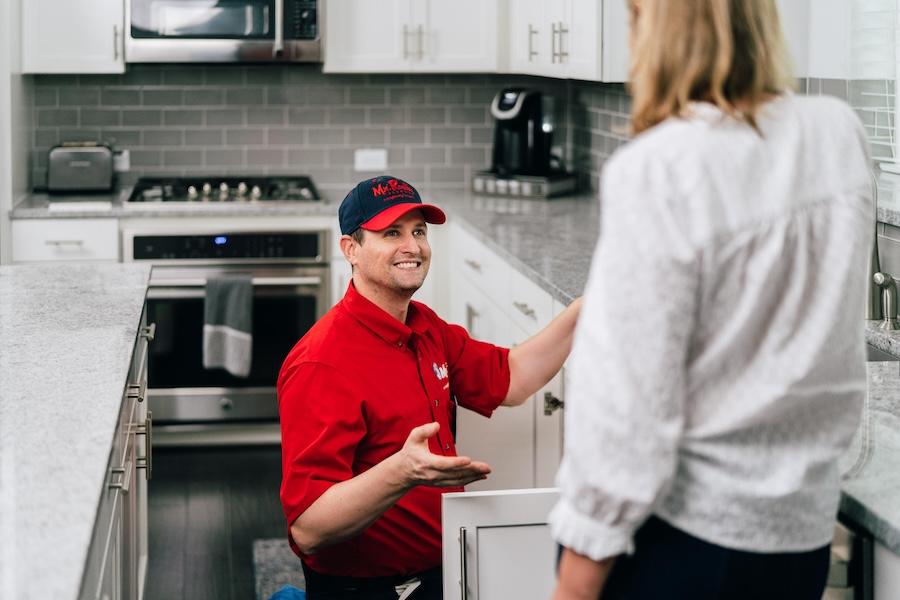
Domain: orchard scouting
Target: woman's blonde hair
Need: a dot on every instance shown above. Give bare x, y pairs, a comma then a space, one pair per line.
728, 52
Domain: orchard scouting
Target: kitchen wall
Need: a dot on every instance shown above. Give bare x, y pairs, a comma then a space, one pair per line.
186, 119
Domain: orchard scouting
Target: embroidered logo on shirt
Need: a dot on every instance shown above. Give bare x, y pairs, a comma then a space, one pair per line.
441, 372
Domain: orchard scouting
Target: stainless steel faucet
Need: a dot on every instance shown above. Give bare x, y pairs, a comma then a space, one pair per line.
882, 303
873, 306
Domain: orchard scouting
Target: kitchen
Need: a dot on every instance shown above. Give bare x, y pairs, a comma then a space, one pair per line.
430, 124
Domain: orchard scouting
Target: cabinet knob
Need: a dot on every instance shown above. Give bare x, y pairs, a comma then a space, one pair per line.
474, 265
552, 403
525, 310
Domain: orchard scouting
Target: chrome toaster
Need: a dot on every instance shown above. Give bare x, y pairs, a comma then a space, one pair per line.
80, 167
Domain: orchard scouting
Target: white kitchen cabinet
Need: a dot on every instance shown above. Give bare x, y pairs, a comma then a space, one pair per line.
886, 573
438, 36
579, 39
499, 305
75, 36
62, 240
497, 545
116, 566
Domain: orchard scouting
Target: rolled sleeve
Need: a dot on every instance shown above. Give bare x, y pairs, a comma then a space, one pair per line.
627, 374
479, 371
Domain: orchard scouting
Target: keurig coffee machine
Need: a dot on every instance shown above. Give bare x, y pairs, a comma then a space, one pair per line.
521, 161
523, 132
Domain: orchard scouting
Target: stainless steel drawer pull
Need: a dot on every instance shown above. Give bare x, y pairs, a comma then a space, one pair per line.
421, 33
115, 42
64, 242
148, 332
552, 403
146, 462
531, 51
474, 265
525, 310
405, 42
562, 53
137, 390
257, 281
124, 477
463, 566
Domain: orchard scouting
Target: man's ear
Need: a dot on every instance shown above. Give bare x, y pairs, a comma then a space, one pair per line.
349, 247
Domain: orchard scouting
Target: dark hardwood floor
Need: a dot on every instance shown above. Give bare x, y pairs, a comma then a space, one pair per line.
206, 506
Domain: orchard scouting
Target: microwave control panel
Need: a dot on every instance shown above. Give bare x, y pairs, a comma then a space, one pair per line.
300, 22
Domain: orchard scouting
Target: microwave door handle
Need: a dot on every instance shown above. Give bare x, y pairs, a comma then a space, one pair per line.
257, 282
278, 47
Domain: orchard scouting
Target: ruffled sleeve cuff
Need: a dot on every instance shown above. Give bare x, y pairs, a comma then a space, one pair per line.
588, 537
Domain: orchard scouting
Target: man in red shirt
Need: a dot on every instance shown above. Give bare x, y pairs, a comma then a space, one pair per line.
367, 400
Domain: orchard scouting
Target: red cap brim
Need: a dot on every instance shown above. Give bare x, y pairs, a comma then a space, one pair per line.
386, 218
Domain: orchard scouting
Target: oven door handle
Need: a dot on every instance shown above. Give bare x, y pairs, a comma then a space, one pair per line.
257, 282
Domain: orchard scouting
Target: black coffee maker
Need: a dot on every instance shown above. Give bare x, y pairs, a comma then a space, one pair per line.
523, 132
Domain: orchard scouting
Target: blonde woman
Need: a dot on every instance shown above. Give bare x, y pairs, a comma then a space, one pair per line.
718, 365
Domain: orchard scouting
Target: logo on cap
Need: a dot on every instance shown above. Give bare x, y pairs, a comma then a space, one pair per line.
392, 189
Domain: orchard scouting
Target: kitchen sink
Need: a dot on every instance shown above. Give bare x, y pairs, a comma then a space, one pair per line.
873, 354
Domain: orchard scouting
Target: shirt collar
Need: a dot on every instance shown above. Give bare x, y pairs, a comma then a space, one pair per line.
380, 322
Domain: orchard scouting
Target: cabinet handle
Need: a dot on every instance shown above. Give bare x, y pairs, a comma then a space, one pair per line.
59, 243
137, 390
463, 565
562, 53
405, 42
148, 332
471, 316
115, 43
525, 310
278, 46
123, 484
420, 31
552, 403
531, 51
553, 55
475, 266
146, 461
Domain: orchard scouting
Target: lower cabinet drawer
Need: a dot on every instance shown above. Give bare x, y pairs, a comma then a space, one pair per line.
65, 240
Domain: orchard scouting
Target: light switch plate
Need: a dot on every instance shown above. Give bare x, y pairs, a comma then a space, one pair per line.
370, 159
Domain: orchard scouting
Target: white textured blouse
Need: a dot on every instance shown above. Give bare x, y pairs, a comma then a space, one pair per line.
718, 368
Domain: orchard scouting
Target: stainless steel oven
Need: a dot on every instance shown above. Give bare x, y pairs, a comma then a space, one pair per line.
289, 271
222, 31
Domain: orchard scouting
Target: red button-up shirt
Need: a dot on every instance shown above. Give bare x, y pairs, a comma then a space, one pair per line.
350, 392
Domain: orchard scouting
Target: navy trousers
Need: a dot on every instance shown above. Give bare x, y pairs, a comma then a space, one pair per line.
668, 563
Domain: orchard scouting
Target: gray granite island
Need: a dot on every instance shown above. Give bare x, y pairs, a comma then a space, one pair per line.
66, 338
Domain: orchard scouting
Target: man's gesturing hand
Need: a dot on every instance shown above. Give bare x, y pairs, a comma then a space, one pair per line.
422, 467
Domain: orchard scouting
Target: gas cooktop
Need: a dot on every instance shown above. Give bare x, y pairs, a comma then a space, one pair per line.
224, 189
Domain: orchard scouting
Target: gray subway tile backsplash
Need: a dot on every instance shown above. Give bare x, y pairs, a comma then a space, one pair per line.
181, 119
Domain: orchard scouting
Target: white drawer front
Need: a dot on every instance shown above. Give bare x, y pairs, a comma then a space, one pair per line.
65, 240
528, 304
480, 265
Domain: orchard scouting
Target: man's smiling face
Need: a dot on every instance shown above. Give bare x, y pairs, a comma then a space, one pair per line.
394, 260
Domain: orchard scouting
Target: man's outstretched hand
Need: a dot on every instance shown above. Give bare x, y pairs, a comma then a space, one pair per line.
421, 467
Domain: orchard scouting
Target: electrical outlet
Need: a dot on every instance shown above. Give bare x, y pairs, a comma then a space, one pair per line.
370, 159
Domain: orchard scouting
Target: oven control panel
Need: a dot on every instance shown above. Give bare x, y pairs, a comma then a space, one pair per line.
229, 246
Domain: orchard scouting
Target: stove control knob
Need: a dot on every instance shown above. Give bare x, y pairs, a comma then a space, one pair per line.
192, 192
207, 189
242, 189
223, 188
306, 193
256, 192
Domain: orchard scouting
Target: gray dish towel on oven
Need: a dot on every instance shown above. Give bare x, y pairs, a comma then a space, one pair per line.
228, 324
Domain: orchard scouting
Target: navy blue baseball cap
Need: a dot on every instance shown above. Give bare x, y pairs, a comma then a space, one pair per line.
376, 203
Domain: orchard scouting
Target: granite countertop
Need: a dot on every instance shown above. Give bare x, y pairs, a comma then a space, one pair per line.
66, 338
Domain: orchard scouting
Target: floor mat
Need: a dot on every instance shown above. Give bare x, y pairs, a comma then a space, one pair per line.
274, 566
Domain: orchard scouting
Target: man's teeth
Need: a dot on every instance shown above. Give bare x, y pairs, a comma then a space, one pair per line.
407, 265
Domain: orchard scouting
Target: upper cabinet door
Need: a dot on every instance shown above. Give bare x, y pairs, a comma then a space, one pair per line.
455, 36
529, 37
75, 36
580, 40
615, 55
362, 36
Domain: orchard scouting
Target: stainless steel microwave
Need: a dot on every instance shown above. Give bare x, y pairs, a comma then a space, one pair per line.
174, 31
